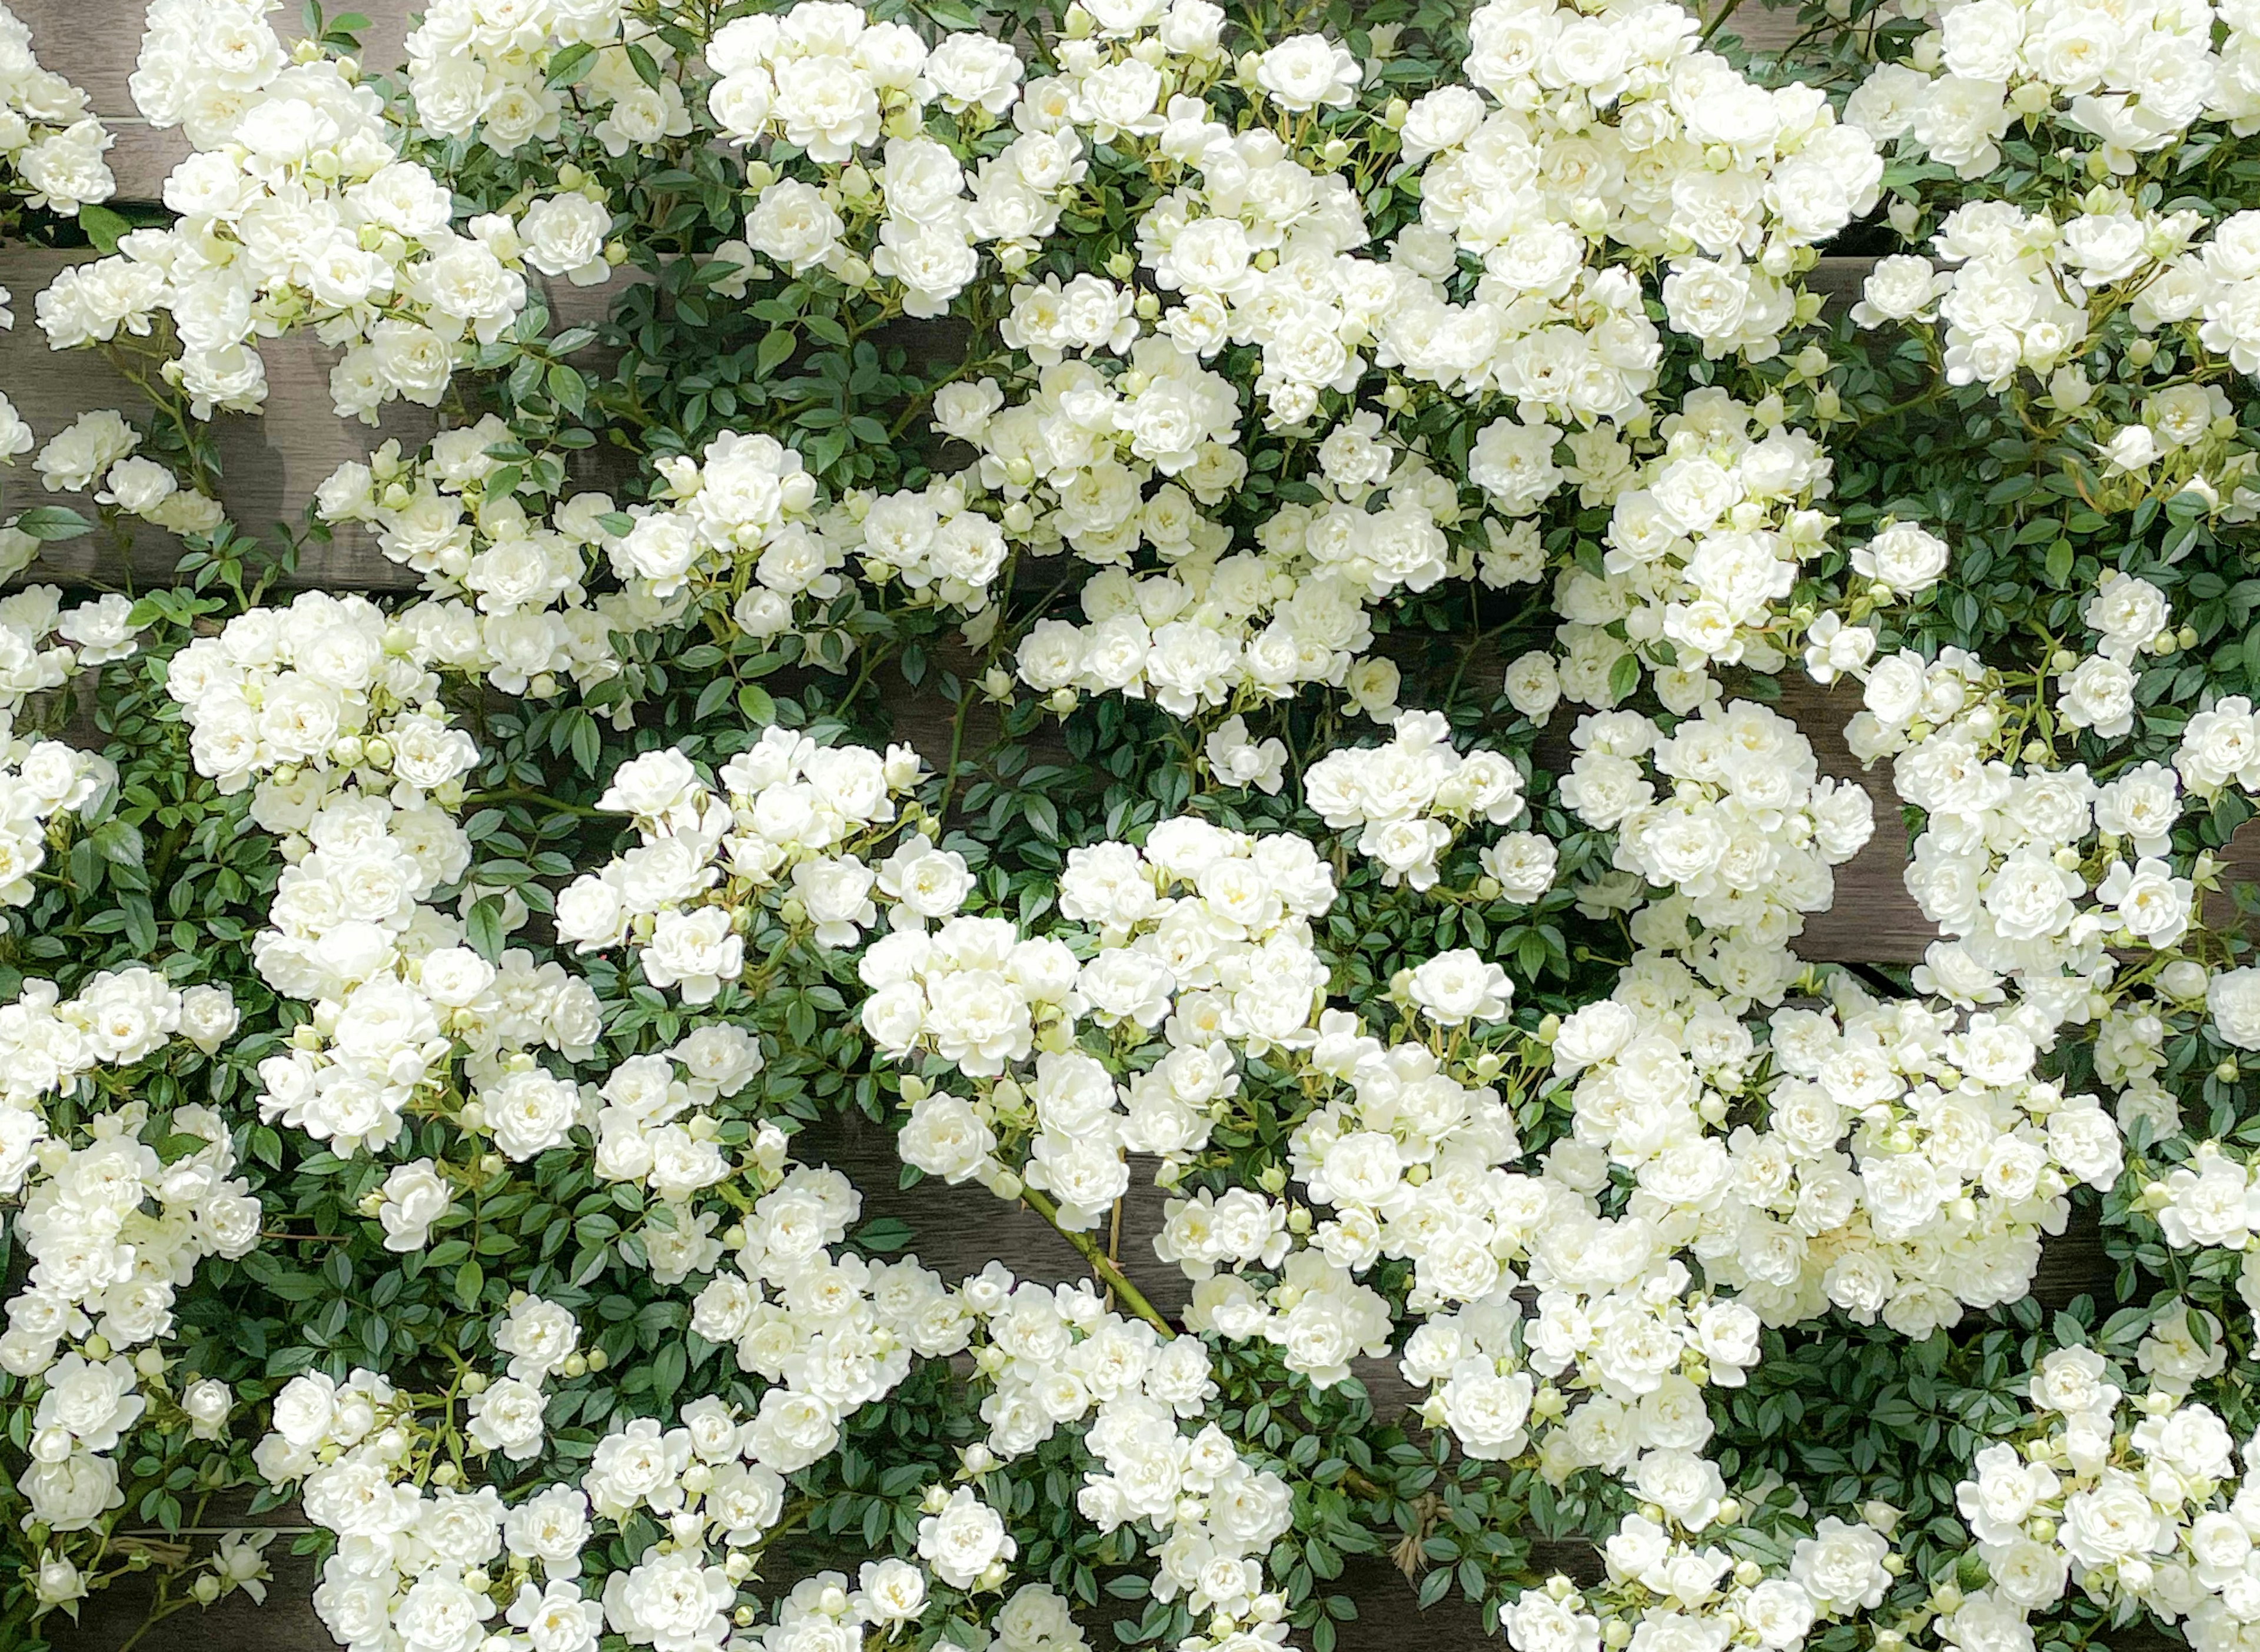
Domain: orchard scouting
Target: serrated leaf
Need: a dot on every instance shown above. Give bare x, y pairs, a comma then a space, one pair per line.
570, 65
52, 522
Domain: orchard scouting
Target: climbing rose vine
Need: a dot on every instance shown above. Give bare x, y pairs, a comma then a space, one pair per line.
1227, 649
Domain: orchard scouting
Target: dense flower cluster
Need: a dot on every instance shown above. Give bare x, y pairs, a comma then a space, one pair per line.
44, 782
1665, 1592
792, 822
294, 210
1443, 375
1411, 798
2125, 89
1203, 937
1744, 844
53, 145
1902, 1161
111, 1231
2133, 1497
472, 72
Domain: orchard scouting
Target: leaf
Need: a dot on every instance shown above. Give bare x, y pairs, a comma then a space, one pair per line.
570, 65
1624, 677
52, 522
568, 388
102, 227
483, 927
587, 743
885, 1233
775, 350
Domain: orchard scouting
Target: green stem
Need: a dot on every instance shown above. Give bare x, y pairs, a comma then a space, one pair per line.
1101, 1263
1718, 22
520, 794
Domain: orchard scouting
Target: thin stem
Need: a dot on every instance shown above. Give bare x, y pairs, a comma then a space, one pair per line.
520, 794
1101, 1263
1718, 22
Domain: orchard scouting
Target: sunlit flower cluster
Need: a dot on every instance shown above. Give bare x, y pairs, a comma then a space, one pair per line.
51, 143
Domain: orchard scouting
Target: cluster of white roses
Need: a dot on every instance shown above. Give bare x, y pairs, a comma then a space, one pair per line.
2023, 292
1059, 1356
1214, 621
42, 646
294, 210
327, 692
1663, 1593
330, 705
1705, 537
1411, 1161
103, 1264
2132, 81
824, 79
509, 597
431, 1561
2029, 870
94, 454
653, 1126
475, 71
736, 518
2134, 1499
732, 528
1744, 843
1612, 130
51, 143
1891, 1160
932, 540
832, 1332
111, 1230
395, 990
423, 1561
2209, 1202
1125, 438
1203, 936
788, 833
1411, 798
41, 781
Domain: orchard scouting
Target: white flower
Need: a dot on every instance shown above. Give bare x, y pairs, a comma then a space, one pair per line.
1454, 988
2232, 998
1842, 1567
963, 1540
1908, 558
564, 235
414, 1196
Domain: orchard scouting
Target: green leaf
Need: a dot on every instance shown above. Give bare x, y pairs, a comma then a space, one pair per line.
1624, 677
568, 388
883, 1235
483, 927
588, 742
52, 522
775, 349
570, 65
102, 227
